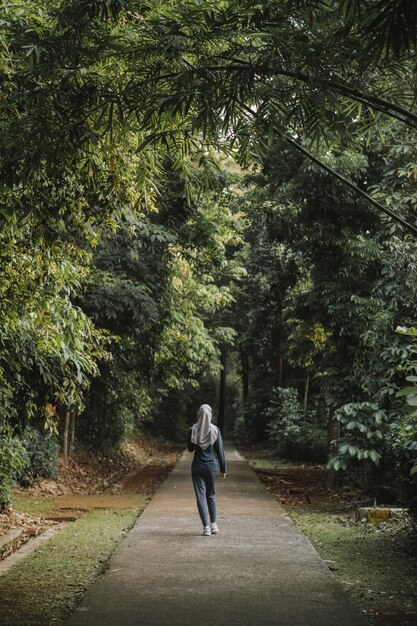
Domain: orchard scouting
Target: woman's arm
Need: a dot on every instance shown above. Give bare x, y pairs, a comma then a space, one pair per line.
219, 450
190, 445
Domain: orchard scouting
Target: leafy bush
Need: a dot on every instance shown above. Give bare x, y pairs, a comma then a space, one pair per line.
402, 433
42, 453
14, 461
293, 430
393, 483
117, 405
407, 433
362, 427
311, 444
285, 412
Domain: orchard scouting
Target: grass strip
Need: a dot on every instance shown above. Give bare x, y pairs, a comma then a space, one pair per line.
378, 568
33, 505
45, 588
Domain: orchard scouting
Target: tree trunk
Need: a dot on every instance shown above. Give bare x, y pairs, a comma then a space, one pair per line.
244, 361
333, 432
66, 432
280, 370
72, 445
222, 391
306, 387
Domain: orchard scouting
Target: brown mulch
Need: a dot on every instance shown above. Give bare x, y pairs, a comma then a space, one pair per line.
89, 471
29, 525
298, 483
12, 520
143, 479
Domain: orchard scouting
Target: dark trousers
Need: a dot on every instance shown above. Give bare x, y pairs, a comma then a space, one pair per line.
203, 482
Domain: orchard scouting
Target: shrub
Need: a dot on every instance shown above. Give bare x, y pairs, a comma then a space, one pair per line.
14, 461
115, 408
42, 453
284, 413
294, 431
362, 434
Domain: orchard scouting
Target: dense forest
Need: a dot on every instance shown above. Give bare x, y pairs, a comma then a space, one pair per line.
210, 202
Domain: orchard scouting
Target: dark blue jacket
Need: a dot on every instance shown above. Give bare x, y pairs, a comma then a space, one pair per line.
212, 458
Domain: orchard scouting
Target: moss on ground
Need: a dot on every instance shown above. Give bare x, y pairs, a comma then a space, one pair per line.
45, 587
378, 567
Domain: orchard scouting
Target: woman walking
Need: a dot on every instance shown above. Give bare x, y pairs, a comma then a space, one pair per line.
205, 440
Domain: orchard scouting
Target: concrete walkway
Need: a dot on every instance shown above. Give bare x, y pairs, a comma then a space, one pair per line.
259, 571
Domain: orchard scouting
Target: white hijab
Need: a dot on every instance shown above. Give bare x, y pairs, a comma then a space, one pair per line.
204, 433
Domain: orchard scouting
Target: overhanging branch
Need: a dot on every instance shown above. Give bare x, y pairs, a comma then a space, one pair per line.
348, 183
378, 104
352, 186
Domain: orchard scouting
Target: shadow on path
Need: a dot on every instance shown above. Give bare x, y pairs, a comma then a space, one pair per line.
259, 571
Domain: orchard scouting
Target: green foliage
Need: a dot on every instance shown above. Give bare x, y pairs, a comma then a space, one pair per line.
350, 273
389, 27
121, 246
363, 425
118, 403
14, 462
305, 342
294, 433
406, 426
154, 284
308, 297
42, 452
284, 414
124, 295
26, 458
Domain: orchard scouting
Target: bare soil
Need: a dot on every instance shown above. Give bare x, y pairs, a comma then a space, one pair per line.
293, 483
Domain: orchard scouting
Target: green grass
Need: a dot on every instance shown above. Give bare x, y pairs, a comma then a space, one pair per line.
34, 505
377, 567
44, 588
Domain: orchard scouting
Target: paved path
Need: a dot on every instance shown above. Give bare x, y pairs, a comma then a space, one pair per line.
259, 571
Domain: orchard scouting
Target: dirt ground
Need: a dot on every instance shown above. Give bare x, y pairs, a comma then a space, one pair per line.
90, 471
136, 486
293, 483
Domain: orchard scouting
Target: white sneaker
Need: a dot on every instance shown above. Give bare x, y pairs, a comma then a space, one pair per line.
207, 531
214, 528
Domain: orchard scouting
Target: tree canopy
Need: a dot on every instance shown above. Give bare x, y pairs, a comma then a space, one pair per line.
192, 187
